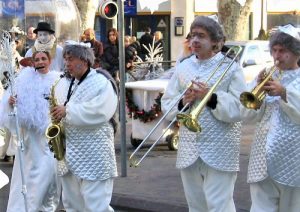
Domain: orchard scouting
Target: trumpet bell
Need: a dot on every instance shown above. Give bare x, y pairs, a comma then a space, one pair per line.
250, 101
189, 122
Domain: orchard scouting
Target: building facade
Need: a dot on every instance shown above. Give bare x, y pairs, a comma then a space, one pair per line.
173, 18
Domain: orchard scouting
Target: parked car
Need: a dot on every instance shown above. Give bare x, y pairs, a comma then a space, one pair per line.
254, 57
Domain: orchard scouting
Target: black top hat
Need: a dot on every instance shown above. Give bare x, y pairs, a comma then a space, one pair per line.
44, 26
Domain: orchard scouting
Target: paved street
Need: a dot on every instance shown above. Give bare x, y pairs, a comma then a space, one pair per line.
156, 184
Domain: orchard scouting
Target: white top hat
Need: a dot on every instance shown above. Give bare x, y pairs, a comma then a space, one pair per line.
290, 30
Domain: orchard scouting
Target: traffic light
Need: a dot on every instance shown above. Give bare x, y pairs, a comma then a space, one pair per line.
108, 9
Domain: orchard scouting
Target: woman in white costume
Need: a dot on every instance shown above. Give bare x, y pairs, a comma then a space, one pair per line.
3, 178
32, 86
274, 171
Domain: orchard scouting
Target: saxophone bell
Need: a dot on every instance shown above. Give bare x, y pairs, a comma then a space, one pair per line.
56, 141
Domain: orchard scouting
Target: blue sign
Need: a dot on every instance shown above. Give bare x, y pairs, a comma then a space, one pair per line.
129, 7
179, 21
12, 8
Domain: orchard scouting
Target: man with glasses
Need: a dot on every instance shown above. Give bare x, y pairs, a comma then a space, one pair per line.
208, 160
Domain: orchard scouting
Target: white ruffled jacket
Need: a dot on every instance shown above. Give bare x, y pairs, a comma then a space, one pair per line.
31, 88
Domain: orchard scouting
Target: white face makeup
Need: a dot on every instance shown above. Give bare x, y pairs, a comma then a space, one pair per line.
75, 66
201, 44
286, 59
43, 37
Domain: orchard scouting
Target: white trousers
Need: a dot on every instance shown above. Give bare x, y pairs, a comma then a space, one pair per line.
207, 189
5, 137
80, 195
270, 196
10, 143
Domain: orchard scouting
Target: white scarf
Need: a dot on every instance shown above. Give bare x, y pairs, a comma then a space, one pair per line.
44, 46
31, 89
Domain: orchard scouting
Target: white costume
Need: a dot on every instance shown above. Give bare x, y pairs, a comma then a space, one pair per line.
3, 178
90, 154
215, 151
275, 153
39, 164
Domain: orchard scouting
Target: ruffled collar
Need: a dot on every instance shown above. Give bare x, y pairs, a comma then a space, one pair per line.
31, 88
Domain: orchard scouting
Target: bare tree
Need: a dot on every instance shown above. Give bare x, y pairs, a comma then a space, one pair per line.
87, 10
234, 17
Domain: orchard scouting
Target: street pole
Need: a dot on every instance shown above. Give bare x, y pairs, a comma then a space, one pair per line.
122, 88
262, 15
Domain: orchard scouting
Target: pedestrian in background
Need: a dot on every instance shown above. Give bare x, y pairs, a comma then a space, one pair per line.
91, 102
30, 38
146, 40
110, 58
274, 171
97, 46
159, 43
186, 50
208, 160
136, 44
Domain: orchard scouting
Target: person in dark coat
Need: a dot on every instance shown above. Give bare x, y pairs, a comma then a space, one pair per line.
146, 40
97, 46
110, 58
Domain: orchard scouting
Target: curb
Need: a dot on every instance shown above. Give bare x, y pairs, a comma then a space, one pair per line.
144, 205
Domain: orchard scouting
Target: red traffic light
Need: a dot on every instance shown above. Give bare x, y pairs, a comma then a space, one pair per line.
108, 9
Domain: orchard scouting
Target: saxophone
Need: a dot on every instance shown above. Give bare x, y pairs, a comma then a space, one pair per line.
55, 131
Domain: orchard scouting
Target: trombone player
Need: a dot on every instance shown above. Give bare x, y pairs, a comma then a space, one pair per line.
274, 171
208, 161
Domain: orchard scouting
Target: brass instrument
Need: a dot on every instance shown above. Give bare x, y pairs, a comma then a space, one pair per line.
55, 131
254, 99
133, 160
190, 120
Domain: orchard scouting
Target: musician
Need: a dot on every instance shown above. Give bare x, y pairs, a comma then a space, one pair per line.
274, 171
208, 160
31, 87
46, 41
90, 157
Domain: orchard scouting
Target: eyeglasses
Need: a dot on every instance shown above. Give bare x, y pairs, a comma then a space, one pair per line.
198, 35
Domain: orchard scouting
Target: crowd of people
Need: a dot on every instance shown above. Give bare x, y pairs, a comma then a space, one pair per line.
79, 79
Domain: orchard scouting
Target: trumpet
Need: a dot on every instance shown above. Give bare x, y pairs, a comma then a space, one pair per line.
133, 160
254, 99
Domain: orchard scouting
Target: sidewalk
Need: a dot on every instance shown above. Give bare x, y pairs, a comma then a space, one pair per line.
156, 184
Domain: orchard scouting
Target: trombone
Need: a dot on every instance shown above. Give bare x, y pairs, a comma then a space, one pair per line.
133, 160
254, 99
190, 120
